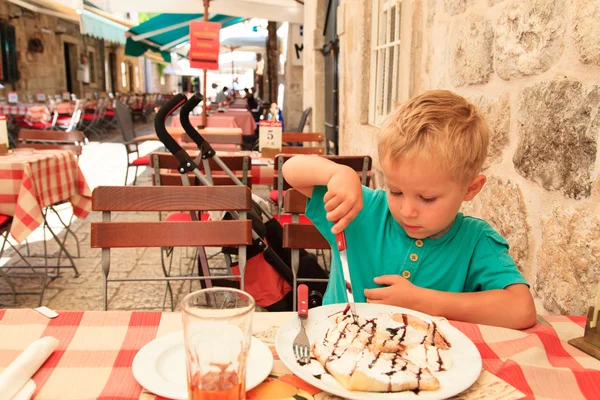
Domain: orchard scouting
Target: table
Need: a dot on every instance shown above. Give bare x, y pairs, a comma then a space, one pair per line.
33, 112
31, 181
212, 121
96, 350
243, 119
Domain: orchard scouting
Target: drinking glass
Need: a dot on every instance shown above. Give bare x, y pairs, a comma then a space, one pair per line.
217, 327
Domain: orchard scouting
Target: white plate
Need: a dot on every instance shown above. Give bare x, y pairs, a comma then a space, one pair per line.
159, 366
465, 356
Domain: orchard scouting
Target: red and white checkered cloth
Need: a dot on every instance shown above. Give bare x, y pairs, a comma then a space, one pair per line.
31, 112
96, 351
30, 182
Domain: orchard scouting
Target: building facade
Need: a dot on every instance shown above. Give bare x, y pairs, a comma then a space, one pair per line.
533, 68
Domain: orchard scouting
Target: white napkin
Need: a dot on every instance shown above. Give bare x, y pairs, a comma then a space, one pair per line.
26, 391
16, 375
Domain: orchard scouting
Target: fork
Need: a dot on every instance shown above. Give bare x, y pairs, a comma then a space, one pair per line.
301, 344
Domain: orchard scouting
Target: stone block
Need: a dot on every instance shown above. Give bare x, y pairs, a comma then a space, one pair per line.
497, 114
502, 205
471, 50
492, 3
454, 7
586, 30
569, 263
529, 37
558, 125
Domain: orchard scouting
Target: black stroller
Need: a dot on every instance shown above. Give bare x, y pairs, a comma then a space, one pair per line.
268, 275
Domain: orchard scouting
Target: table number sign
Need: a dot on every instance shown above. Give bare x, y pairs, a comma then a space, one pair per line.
13, 97
66, 96
269, 138
40, 97
3, 135
590, 341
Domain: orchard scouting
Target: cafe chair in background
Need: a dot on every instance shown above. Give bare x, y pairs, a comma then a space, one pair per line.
125, 122
131, 234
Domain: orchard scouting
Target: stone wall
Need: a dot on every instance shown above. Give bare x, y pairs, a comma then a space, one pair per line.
292, 110
170, 82
45, 72
314, 65
533, 68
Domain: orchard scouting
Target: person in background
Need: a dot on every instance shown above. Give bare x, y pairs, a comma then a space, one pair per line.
251, 102
223, 95
275, 114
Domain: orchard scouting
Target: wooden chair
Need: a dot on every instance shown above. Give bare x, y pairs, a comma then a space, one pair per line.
52, 140
108, 234
164, 170
164, 173
361, 164
298, 236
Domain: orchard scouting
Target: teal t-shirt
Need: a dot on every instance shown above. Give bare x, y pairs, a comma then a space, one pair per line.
470, 257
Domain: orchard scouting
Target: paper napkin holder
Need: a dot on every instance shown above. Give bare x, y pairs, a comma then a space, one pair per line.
590, 341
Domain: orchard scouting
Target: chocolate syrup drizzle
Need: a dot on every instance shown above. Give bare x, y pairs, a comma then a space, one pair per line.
394, 332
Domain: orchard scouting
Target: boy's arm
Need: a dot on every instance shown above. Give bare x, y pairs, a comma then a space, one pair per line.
511, 307
343, 200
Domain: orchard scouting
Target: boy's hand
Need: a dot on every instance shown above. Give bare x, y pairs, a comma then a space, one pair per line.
343, 200
398, 292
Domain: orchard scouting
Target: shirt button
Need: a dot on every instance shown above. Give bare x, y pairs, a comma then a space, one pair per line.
414, 257
419, 243
406, 274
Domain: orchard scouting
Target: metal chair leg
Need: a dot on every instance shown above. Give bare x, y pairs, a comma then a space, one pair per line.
135, 176
126, 172
167, 272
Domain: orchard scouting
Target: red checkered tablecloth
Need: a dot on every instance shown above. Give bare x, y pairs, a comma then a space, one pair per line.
96, 350
31, 181
31, 112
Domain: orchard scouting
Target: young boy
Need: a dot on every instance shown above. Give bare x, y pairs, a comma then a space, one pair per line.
409, 246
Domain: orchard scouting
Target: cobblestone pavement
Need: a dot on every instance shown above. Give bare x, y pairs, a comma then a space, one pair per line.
103, 163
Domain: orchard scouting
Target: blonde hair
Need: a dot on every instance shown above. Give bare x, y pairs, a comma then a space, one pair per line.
441, 126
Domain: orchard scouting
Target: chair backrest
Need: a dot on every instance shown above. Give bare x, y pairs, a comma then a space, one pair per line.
296, 235
302, 137
165, 165
361, 164
123, 114
137, 199
303, 119
51, 140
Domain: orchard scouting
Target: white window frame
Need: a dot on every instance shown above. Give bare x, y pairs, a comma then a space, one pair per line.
383, 88
124, 71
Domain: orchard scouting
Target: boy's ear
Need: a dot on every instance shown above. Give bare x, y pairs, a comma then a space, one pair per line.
475, 187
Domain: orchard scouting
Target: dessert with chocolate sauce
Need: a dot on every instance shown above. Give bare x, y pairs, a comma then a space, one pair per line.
389, 353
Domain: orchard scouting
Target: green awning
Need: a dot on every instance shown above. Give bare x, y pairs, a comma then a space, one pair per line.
141, 38
102, 28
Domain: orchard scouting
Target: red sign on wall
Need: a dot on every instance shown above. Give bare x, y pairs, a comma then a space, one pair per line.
204, 45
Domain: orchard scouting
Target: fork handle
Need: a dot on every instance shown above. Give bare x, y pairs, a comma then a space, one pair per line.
303, 301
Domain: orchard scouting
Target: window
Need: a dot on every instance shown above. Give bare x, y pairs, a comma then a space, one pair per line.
92, 64
123, 75
385, 51
137, 77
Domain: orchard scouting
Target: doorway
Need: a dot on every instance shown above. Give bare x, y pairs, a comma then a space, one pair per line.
71, 62
132, 87
330, 52
112, 72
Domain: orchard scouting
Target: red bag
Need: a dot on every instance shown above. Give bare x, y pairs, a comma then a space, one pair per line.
262, 281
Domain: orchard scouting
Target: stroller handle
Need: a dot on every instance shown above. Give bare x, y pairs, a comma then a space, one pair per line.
163, 134
184, 116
